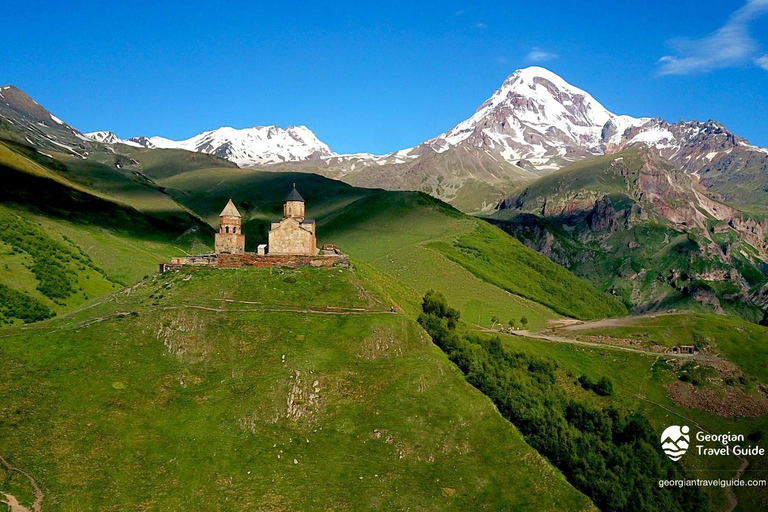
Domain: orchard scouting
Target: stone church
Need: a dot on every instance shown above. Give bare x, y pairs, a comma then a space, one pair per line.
291, 235
292, 243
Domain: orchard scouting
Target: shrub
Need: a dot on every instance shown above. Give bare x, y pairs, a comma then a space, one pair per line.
14, 304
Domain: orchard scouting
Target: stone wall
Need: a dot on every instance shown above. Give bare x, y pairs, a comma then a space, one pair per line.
230, 243
290, 236
251, 259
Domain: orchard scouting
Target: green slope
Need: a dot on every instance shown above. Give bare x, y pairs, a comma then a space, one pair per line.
64, 243
411, 241
641, 381
410, 235
175, 395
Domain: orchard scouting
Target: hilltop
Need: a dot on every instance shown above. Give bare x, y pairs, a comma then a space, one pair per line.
264, 389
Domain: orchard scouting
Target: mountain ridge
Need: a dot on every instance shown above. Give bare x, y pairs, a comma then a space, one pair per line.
534, 124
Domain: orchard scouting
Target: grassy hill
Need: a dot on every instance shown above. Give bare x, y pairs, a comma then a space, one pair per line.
255, 389
170, 392
65, 242
409, 240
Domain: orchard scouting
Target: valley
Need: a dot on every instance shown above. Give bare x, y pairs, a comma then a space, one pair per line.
507, 327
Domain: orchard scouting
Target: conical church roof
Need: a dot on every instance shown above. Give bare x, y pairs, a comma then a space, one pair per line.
293, 196
230, 210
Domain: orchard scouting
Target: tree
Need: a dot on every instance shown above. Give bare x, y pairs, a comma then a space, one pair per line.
524, 322
494, 321
512, 323
603, 387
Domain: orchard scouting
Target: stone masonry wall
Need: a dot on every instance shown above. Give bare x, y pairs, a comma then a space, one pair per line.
289, 260
289, 237
231, 243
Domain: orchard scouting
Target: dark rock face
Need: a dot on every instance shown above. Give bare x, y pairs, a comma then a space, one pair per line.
604, 216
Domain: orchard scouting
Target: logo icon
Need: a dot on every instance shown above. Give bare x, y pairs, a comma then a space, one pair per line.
674, 441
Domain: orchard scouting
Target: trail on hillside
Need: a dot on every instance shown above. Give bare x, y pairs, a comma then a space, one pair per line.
562, 339
608, 322
297, 309
12, 502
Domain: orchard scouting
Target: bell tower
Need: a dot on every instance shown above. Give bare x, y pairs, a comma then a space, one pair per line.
230, 239
293, 205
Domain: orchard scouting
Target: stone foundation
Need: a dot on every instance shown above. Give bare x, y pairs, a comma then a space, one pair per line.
251, 259
326, 259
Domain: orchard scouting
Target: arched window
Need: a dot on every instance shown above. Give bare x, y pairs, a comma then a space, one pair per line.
234, 230
227, 228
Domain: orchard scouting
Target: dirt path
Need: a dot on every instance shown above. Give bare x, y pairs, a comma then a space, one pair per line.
607, 322
355, 311
733, 501
562, 339
12, 502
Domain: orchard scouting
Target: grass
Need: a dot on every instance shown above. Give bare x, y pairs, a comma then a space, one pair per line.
388, 231
506, 263
391, 233
42, 273
140, 402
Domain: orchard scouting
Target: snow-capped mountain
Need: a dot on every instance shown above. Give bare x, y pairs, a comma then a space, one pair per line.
538, 117
260, 145
106, 137
536, 123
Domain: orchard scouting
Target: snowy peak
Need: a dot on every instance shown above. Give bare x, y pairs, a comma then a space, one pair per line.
537, 117
539, 96
260, 145
107, 137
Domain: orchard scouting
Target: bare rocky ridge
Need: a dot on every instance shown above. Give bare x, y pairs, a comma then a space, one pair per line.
24, 121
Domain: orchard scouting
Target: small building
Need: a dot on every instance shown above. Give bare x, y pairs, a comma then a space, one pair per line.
684, 349
230, 239
293, 234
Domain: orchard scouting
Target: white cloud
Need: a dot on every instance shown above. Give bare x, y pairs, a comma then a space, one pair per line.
480, 25
762, 62
538, 55
460, 12
730, 45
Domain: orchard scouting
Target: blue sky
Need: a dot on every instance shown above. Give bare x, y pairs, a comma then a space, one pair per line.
379, 76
